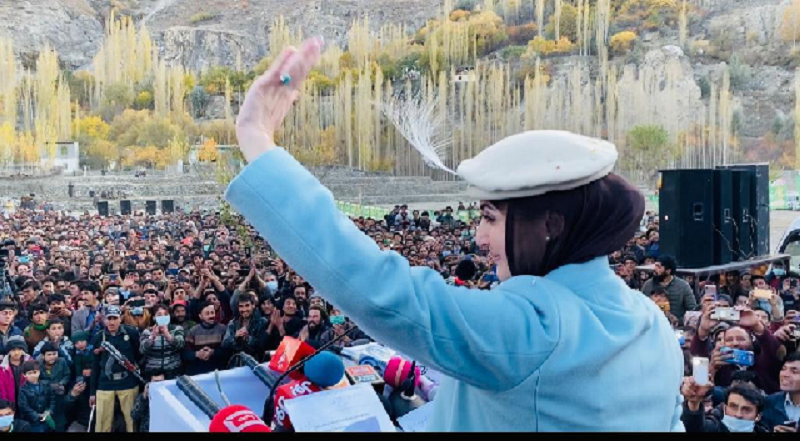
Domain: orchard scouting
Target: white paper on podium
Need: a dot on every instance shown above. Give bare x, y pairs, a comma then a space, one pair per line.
348, 409
417, 419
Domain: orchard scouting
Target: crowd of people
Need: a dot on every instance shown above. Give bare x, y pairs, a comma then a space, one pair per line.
182, 293
743, 325
177, 293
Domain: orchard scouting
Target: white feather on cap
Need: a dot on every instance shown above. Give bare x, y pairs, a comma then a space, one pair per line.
527, 164
536, 162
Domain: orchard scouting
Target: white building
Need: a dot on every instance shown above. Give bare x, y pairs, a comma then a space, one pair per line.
67, 157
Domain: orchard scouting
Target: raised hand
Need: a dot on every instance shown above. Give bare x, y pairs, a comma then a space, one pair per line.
269, 100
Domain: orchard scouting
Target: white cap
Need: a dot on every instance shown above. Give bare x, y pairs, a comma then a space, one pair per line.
537, 162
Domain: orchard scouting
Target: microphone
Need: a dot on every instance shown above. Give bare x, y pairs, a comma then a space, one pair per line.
237, 419
231, 419
397, 370
403, 399
324, 370
269, 378
269, 408
290, 352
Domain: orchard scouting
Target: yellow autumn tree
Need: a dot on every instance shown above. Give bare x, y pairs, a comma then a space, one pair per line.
622, 42
209, 151
789, 28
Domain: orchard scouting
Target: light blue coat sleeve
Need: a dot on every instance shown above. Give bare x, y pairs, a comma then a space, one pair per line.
677, 424
491, 340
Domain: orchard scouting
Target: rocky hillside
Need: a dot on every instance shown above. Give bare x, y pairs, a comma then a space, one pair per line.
194, 33
199, 34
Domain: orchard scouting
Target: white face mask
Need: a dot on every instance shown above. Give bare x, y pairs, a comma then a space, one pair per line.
738, 425
162, 320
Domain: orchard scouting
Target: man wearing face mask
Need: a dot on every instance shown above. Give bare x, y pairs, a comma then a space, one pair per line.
7, 422
680, 295
741, 412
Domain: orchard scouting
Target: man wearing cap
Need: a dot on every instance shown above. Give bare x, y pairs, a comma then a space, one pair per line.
110, 380
179, 315
552, 213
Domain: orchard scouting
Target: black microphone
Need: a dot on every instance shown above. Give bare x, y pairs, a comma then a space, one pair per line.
230, 419
198, 396
268, 377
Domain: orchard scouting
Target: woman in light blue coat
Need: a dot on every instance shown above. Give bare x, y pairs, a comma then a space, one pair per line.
562, 344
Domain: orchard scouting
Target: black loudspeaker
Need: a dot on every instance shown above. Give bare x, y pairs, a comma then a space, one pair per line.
102, 208
686, 212
150, 206
167, 206
724, 241
125, 208
742, 217
759, 205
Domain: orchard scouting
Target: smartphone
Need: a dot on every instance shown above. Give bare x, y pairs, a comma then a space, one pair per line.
112, 277
248, 252
172, 271
136, 303
711, 289
792, 424
762, 294
244, 271
739, 357
700, 370
726, 315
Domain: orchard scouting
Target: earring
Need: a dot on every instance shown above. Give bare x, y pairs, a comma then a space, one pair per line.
547, 239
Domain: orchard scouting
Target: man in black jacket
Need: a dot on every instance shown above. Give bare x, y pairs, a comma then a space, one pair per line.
741, 412
77, 405
110, 380
780, 407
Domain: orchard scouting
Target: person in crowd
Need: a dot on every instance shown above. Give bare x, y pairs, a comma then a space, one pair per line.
744, 405
55, 336
37, 330
89, 318
339, 327
7, 329
782, 409
56, 374
141, 410
82, 352
162, 345
733, 286
58, 309
77, 403
11, 375
681, 297
135, 313
8, 422
247, 332
285, 321
316, 326
36, 402
179, 315
203, 351
110, 380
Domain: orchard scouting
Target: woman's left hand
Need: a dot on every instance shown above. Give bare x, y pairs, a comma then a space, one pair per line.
268, 101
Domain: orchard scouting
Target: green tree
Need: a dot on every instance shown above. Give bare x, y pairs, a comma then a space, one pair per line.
649, 149
116, 98
568, 25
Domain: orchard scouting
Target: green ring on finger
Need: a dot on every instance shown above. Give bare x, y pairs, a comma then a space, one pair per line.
286, 79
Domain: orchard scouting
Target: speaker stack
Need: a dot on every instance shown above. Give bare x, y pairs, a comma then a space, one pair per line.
125, 207
167, 206
150, 206
714, 217
102, 208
